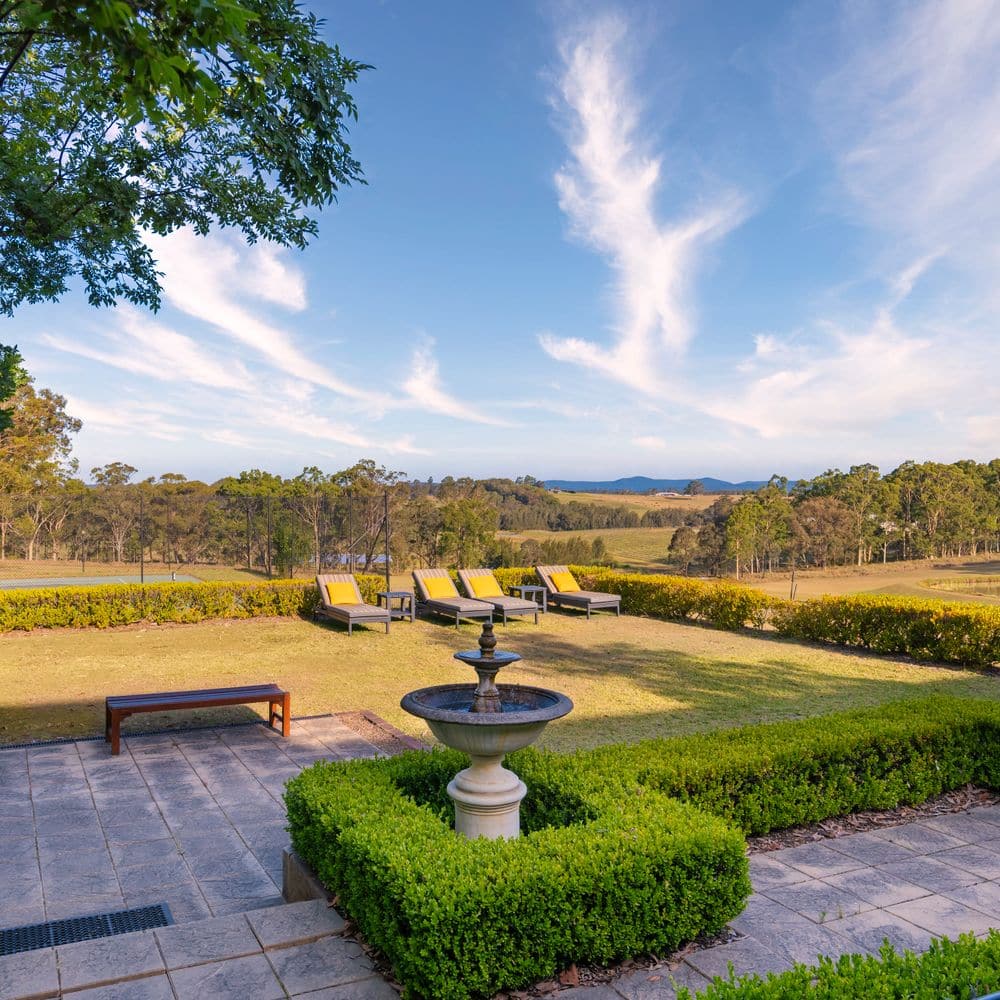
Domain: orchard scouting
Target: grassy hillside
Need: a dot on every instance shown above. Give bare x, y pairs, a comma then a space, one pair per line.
631, 548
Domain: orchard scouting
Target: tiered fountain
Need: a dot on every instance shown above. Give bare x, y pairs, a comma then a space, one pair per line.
486, 721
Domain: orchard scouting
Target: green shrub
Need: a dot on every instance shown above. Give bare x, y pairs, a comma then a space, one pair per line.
624, 872
946, 632
948, 970
379, 834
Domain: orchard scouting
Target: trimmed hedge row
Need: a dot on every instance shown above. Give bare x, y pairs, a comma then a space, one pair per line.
378, 833
124, 604
948, 970
967, 634
626, 874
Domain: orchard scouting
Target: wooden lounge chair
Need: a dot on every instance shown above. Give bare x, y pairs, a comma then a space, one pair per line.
436, 593
481, 585
565, 592
341, 600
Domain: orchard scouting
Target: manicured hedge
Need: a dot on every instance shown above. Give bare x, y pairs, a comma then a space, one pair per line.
628, 872
943, 631
948, 970
123, 604
378, 833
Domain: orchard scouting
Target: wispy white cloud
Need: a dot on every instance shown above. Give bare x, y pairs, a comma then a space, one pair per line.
913, 114
130, 418
649, 442
137, 344
424, 390
608, 191
216, 280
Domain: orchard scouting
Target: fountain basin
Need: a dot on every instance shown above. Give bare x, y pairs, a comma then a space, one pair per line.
526, 712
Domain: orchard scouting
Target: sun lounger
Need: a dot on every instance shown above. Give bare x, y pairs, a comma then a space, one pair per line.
481, 585
564, 591
436, 593
341, 600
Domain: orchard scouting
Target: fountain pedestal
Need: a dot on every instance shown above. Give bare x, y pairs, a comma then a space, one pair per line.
487, 721
487, 799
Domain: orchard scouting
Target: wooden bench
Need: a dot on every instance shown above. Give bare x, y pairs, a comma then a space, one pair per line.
120, 707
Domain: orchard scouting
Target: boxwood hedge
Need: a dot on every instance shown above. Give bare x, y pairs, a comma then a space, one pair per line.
614, 835
625, 872
948, 970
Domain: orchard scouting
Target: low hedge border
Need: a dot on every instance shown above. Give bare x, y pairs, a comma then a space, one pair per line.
629, 872
361, 827
105, 605
948, 970
938, 631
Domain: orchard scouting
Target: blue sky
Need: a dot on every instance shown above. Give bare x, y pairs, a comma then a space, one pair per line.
668, 239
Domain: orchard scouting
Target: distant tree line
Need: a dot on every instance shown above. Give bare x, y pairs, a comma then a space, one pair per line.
919, 510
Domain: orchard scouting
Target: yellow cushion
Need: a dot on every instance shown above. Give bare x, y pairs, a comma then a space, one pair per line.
341, 593
485, 586
564, 582
439, 586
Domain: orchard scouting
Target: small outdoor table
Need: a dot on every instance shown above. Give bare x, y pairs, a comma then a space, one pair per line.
532, 593
405, 608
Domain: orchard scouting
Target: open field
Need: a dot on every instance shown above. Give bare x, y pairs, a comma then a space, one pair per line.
641, 501
630, 548
22, 569
630, 678
913, 579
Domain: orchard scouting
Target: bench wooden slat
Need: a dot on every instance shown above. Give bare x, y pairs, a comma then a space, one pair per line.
119, 707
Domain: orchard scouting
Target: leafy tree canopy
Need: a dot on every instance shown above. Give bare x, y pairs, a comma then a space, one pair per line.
118, 116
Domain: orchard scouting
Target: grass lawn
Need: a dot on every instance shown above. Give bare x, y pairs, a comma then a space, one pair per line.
641, 501
630, 678
39, 569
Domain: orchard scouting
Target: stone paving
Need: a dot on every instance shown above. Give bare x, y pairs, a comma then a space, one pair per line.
194, 819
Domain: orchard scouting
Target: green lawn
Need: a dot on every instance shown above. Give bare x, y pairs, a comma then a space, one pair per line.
630, 678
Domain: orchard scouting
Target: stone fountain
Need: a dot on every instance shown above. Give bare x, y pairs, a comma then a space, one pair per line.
486, 721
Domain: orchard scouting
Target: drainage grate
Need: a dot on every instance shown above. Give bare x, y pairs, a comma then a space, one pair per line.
100, 925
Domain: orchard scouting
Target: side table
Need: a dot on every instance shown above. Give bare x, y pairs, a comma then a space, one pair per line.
532, 593
404, 609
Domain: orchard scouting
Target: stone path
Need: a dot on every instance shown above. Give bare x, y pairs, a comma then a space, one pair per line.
194, 819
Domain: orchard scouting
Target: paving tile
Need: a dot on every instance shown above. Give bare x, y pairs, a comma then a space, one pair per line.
92, 963
971, 829
143, 852
235, 977
330, 961
972, 858
983, 896
816, 860
870, 929
251, 904
17, 827
930, 873
792, 936
296, 923
186, 903
818, 900
29, 973
877, 887
942, 916
62, 907
207, 941
870, 848
19, 851
659, 983
919, 838
748, 956
759, 912
148, 988
374, 989
87, 861
155, 874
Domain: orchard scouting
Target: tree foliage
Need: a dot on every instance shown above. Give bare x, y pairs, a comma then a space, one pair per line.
118, 117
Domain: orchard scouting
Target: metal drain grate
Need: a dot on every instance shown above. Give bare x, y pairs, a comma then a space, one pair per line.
100, 925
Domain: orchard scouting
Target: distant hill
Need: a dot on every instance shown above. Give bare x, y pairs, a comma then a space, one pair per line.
642, 484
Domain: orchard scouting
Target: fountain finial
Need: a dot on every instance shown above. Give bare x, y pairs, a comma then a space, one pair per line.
487, 641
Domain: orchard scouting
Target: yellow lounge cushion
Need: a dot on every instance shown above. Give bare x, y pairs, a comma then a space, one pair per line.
341, 593
439, 586
564, 582
485, 586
